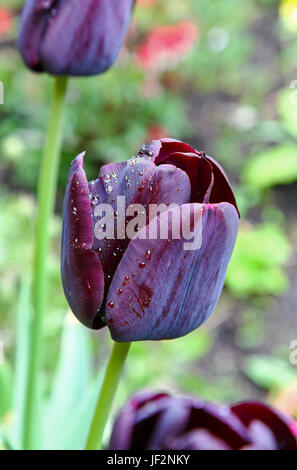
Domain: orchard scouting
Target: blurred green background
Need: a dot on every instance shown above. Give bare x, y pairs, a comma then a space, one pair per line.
217, 75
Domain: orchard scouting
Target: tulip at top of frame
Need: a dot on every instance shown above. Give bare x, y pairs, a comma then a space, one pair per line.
78, 38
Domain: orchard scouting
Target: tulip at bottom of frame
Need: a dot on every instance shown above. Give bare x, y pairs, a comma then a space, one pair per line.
158, 421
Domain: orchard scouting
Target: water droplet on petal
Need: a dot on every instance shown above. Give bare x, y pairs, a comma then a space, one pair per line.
106, 178
110, 304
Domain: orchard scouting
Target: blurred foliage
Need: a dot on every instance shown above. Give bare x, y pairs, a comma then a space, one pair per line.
231, 93
256, 264
277, 165
270, 372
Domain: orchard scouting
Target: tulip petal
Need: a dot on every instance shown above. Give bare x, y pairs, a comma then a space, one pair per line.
122, 436
82, 274
279, 424
170, 291
71, 37
221, 191
216, 190
139, 181
33, 21
199, 440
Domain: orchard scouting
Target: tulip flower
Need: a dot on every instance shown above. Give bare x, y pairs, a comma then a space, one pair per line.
73, 38
148, 287
158, 421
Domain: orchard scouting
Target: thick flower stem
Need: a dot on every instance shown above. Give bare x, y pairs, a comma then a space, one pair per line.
46, 199
107, 393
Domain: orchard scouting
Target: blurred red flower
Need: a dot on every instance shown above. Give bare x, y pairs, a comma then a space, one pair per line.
5, 21
165, 46
146, 3
156, 132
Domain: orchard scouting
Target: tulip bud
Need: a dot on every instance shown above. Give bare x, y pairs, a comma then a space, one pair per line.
146, 245
157, 421
73, 37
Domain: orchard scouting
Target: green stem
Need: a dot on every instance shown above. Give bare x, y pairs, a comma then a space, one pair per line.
46, 199
107, 393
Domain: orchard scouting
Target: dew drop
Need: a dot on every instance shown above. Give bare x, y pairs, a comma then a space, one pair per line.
148, 254
109, 189
120, 291
106, 178
110, 304
141, 265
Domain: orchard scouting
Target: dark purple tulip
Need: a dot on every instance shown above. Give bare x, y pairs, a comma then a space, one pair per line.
148, 289
157, 421
70, 37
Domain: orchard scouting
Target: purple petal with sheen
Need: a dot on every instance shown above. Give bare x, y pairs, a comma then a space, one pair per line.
82, 274
200, 440
140, 182
123, 435
67, 37
279, 424
170, 291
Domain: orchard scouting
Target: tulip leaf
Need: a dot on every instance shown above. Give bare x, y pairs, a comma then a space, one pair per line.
75, 436
269, 372
277, 165
21, 362
70, 383
5, 389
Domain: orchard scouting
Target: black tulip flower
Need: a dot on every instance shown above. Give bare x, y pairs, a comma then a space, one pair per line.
157, 421
146, 288
73, 37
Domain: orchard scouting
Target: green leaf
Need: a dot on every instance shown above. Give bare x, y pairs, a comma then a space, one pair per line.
21, 362
70, 383
76, 430
256, 264
5, 388
288, 110
269, 372
188, 348
277, 165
